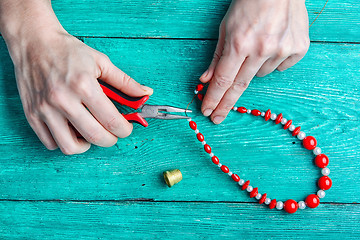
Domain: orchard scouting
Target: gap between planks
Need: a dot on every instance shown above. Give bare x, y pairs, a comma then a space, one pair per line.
149, 200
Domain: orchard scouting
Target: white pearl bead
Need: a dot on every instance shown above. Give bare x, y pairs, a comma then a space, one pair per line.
219, 165
230, 173
317, 151
248, 111
321, 193
203, 143
302, 205
211, 154
189, 119
235, 108
325, 171
196, 92
301, 135
258, 196
267, 201
292, 128
197, 131
283, 121
249, 188
262, 114
273, 116
279, 205
241, 182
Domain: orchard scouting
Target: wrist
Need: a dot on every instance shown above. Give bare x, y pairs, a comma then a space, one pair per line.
27, 20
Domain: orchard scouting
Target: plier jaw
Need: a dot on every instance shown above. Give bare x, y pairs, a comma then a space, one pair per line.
162, 112
146, 111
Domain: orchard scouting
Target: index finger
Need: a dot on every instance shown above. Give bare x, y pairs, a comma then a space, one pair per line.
105, 111
225, 73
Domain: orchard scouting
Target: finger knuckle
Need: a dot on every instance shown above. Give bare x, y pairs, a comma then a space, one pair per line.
222, 81
266, 49
82, 86
113, 124
240, 86
95, 136
54, 97
238, 46
126, 79
284, 52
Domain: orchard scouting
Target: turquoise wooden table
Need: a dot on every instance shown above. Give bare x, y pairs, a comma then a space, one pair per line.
119, 192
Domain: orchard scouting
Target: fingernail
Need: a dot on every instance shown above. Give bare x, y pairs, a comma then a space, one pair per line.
146, 89
218, 119
207, 112
205, 74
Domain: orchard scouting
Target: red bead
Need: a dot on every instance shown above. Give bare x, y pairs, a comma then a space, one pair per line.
254, 192
255, 112
287, 125
235, 177
290, 206
225, 169
309, 142
192, 125
296, 131
272, 204
321, 160
242, 110
215, 160
278, 119
246, 184
207, 148
312, 201
325, 183
267, 115
262, 199
200, 96
200, 137
199, 87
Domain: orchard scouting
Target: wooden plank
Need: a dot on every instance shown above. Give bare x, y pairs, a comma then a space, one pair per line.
320, 93
189, 19
173, 220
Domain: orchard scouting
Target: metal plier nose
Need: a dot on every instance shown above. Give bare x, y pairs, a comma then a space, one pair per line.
138, 103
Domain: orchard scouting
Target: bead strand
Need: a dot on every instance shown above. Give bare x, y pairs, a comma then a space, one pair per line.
309, 142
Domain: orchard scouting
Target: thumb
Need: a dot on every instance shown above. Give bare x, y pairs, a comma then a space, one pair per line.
208, 74
120, 80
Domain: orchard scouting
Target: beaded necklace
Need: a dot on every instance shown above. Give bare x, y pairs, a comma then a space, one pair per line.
309, 142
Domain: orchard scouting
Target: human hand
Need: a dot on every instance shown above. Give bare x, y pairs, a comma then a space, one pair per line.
57, 76
255, 38
57, 82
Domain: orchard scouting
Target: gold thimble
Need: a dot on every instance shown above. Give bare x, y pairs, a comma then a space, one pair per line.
172, 177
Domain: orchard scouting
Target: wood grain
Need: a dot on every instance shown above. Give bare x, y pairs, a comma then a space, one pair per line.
189, 19
320, 93
119, 193
173, 220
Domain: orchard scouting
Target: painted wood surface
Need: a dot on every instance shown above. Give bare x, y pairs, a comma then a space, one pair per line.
118, 192
173, 220
189, 18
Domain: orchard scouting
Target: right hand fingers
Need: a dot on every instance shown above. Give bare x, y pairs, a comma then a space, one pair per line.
208, 74
223, 78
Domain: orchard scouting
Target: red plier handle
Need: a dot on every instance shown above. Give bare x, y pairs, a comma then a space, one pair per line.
123, 99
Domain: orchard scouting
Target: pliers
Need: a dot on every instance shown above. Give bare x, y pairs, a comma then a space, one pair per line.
138, 103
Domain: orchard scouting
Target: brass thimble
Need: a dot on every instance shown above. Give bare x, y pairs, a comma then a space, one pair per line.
172, 177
